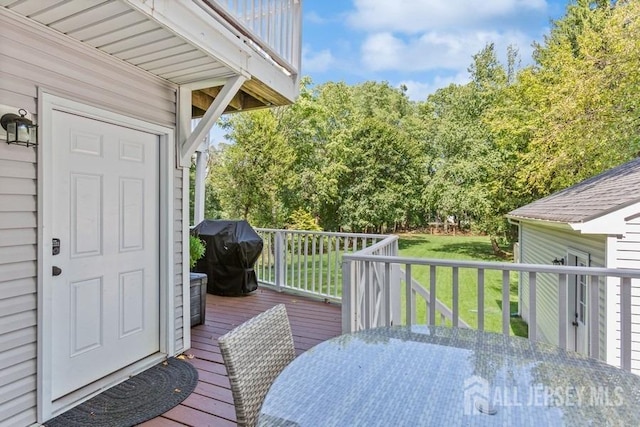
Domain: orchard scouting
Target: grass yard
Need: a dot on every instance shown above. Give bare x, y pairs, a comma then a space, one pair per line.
476, 248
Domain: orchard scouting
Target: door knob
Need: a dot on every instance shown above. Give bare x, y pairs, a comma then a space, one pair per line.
56, 271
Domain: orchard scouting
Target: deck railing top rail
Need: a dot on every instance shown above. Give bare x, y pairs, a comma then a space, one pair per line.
537, 268
326, 233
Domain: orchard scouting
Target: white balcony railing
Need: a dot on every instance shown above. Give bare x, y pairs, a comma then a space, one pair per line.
272, 27
364, 273
372, 291
308, 262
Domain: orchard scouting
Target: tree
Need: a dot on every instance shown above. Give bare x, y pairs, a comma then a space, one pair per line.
464, 177
574, 113
250, 173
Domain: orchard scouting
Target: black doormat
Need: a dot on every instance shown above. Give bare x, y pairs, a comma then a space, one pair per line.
138, 399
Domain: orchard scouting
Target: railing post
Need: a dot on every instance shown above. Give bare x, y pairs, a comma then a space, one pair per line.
348, 298
593, 317
396, 303
280, 258
533, 310
506, 302
562, 311
625, 323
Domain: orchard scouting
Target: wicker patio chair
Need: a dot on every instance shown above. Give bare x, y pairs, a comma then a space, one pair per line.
254, 354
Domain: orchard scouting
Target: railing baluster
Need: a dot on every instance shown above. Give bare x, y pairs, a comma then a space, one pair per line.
481, 299
299, 244
562, 311
272, 256
432, 295
329, 263
321, 267
409, 303
387, 294
367, 295
625, 323
306, 262
455, 296
506, 302
533, 321
593, 317
313, 263
279, 258
337, 263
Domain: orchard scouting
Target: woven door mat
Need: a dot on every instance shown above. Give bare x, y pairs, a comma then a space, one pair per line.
138, 399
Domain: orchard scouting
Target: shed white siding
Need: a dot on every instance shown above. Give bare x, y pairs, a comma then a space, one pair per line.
34, 56
541, 245
625, 254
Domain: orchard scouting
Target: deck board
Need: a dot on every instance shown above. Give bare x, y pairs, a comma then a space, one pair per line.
211, 404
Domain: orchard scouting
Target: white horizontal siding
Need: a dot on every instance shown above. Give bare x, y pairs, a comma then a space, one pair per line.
17, 236
541, 245
627, 255
32, 57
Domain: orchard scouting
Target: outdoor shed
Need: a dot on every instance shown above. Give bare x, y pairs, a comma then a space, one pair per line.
94, 221
594, 223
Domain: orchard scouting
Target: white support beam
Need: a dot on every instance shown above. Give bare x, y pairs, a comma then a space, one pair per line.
214, 112
201, 174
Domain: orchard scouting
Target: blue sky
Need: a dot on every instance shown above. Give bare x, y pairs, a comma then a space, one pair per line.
423, 44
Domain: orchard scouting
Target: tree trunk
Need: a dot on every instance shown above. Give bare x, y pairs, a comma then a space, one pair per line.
496, 248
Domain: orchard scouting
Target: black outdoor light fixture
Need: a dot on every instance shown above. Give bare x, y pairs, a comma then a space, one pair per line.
20, 130
557, 261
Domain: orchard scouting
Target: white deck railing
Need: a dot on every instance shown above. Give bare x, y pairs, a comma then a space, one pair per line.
272, 26
373, 291
308, 262
364, 273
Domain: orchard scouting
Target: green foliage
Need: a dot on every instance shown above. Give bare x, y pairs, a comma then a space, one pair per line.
251, 174
196, 250
212, 207
303, 220
575, 113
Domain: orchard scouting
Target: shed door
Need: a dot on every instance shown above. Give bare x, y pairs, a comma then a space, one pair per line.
578, 288
105, 299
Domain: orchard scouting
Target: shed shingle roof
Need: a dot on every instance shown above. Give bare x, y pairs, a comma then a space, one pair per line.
589, 199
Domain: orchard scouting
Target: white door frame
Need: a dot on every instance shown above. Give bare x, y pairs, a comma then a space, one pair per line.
573, 256
47, 103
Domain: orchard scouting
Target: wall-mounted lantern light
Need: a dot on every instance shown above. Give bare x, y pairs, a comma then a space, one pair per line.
20, 130
557, 261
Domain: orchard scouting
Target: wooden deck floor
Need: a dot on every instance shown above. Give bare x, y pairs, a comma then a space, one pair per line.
211, 404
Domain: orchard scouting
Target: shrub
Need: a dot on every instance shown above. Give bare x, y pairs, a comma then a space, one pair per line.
196, 250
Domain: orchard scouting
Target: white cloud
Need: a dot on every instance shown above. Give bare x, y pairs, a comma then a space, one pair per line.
435, 50
415, 16
418, 91
316, 61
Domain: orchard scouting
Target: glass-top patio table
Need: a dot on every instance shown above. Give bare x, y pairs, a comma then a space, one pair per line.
432, 375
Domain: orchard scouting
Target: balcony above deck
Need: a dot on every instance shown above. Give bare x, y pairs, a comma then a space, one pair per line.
196, 44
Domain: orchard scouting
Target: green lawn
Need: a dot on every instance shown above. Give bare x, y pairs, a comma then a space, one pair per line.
463, 248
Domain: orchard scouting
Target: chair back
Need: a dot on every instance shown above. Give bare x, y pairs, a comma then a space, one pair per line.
255, 353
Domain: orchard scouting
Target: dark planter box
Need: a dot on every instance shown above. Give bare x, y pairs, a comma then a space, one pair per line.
198, 298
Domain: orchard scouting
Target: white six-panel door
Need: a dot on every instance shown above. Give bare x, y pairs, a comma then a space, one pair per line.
105, 205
